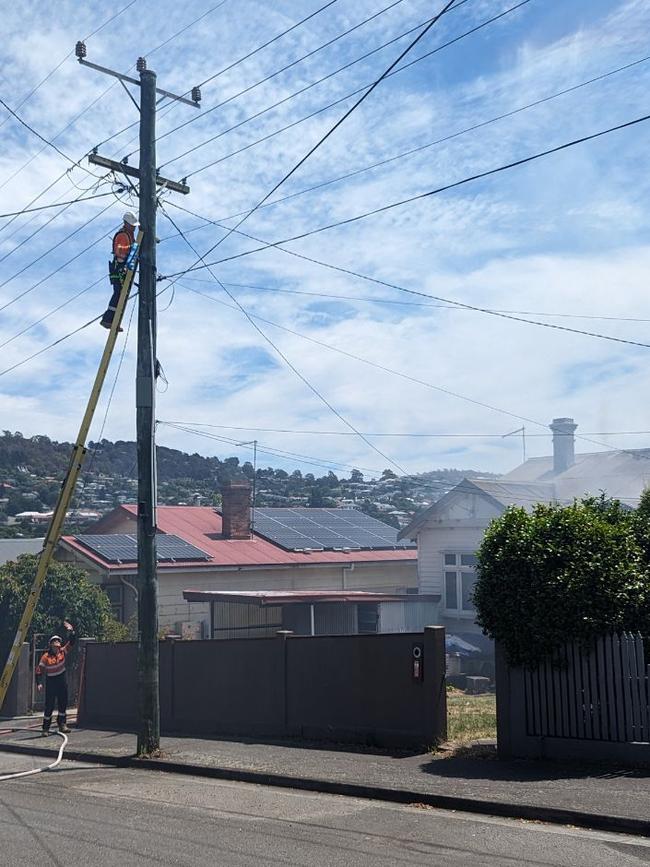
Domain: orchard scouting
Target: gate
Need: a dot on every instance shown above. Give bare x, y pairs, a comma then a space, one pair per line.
599, 693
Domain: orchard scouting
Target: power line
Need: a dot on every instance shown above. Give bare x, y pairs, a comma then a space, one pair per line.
450, 306
286, 360
231, 65
397, 435
56, 204
333, 128
68, 55
428, 22
52, 312
43, 226
446, 138
410, 200
62, 266
294, 63
310, 459
347, 96
390, 370
87, 108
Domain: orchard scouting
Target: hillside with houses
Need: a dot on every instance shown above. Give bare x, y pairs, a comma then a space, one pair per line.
32, 468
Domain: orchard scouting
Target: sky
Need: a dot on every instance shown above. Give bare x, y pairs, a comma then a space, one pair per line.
561, 240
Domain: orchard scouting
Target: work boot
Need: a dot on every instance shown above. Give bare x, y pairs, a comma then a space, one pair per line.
64, 729
107, 325
45, 733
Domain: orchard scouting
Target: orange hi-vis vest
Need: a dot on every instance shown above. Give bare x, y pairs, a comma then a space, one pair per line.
51, 664
122, 242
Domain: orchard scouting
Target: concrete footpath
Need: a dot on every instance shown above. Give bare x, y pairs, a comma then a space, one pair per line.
598, 797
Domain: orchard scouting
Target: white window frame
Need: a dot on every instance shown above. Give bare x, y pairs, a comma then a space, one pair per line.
459, 569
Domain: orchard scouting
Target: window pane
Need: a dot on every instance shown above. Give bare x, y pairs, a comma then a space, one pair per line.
451, 590
450, 559
468, 559
469, 579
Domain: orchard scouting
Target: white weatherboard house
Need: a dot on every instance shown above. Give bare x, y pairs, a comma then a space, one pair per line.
449, 532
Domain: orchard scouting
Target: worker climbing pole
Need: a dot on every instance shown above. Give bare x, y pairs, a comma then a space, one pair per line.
72, 474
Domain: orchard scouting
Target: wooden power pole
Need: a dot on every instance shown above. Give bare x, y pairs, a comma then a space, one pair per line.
145, 388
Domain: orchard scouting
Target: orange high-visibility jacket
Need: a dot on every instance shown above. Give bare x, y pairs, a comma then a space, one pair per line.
51, 664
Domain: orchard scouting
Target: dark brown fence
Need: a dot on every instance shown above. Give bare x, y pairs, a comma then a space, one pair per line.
586, 702
386, 690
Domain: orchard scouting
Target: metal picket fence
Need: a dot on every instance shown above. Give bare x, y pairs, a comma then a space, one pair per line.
600, 692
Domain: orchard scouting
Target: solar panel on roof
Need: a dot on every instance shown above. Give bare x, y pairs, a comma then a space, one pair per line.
123, 548
325, 529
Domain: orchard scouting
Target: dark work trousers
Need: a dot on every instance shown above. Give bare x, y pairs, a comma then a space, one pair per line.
56, 692
116, 274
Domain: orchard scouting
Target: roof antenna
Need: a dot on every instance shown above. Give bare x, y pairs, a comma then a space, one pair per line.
522, 431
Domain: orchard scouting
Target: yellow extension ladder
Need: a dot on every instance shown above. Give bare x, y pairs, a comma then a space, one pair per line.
70, 481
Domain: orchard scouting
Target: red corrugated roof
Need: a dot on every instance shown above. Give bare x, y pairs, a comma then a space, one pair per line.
201, 526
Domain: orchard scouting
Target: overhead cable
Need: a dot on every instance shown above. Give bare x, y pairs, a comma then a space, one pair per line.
333, 128
428, 22
286, 360
410, 200
396, 301
446, 138
60, 267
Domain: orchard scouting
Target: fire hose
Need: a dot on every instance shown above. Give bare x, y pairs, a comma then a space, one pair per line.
38, 770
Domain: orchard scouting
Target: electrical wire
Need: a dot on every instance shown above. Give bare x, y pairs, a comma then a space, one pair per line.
270, 450
411, 199
44, 225
55, 204
284, 357
324, 138
428, 22
390, 370
396, 301
341, 99
403, 434
293, 63
68, 55
420, 148
60, 267
52, 312
230, 66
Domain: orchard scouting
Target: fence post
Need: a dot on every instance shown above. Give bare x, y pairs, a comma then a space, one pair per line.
284, 634
435, 684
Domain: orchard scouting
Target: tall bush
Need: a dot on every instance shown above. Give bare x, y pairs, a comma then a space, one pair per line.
561, 573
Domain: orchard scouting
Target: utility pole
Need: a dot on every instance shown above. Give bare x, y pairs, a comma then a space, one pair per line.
145, 398
145, 387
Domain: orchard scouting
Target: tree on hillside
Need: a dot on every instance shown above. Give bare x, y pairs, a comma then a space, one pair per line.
67, 594
560, 573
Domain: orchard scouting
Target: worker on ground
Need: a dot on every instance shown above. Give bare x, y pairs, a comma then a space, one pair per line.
122, 243
52, 667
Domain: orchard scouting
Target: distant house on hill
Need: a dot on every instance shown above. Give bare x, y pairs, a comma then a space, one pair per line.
450, 531
287, 549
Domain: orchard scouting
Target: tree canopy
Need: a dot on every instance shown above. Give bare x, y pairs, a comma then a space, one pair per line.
67, 594
561, 573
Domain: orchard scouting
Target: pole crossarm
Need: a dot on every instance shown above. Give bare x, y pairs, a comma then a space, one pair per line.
70, 481
122, 77
123, 168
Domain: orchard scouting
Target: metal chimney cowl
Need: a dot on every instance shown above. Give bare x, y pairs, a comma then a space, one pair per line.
564, 452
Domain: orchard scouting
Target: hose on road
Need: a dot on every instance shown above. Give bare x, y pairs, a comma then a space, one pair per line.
38, 770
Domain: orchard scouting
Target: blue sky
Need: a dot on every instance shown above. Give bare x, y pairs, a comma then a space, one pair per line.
564, 235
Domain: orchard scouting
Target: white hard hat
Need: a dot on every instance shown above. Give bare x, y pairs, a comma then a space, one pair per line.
130, 218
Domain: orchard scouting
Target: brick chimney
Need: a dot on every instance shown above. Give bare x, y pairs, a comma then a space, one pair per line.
236, 509
564, 453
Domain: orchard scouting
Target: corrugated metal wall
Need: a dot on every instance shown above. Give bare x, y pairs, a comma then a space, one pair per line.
245, 621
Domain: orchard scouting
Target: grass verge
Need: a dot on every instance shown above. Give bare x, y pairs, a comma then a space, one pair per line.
470, 717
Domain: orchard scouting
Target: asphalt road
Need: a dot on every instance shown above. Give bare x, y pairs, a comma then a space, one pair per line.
89, 816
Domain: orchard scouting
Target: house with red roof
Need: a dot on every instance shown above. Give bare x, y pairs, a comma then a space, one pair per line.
235, 549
